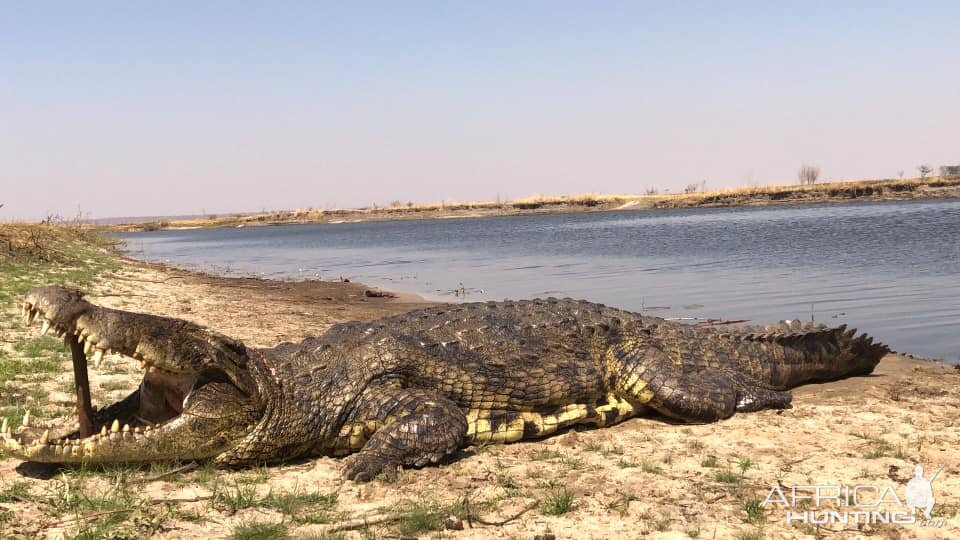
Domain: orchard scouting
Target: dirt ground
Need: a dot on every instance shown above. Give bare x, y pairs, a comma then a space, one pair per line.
643, 478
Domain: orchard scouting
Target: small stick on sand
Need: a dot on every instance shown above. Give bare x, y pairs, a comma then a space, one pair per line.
84, 408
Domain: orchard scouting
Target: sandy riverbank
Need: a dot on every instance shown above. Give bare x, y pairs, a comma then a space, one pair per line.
643, 478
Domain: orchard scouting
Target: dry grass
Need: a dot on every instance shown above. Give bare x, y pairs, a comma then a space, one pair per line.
51, 241
856, 189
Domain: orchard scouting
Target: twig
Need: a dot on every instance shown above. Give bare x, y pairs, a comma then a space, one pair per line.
526, 509
355, 524
198, 498
185, 468
87, 516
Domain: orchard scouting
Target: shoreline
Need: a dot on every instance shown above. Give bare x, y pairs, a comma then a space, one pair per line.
643, 477
934, 188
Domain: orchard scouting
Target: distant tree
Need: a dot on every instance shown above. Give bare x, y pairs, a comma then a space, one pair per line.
900, 174
651, 191
924, 170
945, 170
691, 188
808, 174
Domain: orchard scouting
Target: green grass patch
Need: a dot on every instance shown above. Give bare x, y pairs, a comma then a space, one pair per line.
15, 492
254, 530
424, 515
754, 510
558, 502
726, 476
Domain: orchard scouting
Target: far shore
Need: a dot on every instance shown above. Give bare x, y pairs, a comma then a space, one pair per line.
833, 192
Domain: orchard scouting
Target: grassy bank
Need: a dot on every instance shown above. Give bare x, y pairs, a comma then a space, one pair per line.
32, 254
935, 187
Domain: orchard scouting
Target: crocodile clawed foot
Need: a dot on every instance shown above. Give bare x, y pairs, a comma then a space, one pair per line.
365, 466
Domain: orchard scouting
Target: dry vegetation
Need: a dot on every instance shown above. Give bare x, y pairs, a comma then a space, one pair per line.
754, 195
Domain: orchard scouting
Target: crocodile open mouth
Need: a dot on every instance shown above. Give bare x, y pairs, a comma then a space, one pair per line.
140, 420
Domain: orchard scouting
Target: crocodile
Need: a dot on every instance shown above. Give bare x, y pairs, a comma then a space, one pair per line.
410, 390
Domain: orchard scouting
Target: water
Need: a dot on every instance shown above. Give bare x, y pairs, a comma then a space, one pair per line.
888, 268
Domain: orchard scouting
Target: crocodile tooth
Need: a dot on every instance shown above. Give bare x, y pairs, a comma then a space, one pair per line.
45, 328
97, 358
126, 428
26, 419
115, 426
87, 347
45, 438
103, 431
137, 430
152, 369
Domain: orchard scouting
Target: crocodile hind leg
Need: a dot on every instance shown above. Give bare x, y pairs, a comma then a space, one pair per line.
413, 427
645, 375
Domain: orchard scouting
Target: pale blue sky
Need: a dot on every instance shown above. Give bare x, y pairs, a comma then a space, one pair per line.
136, 108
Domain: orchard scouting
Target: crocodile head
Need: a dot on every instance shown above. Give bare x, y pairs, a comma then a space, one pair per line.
198, 398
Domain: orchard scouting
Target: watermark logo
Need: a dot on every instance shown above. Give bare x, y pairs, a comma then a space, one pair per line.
860, 503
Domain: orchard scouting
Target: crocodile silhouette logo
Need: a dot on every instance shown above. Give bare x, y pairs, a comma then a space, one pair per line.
919, 492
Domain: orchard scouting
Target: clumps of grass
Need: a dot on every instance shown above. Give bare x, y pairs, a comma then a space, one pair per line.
117, 500
726, 476
31, 367
604, 450
16, 491
877, 448
594, 447
422, 516
294, 505
235, 498
755, 513
508, 483
253, 530
572, 462
626, 463
622, 503
545, 454
710, 462
650, 468
558, 502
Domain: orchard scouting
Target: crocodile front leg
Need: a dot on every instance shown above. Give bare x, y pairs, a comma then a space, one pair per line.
410, 427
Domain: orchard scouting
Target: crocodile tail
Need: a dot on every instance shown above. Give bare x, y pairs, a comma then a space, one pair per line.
819, 354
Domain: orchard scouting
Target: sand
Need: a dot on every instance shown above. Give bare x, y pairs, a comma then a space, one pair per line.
642, 478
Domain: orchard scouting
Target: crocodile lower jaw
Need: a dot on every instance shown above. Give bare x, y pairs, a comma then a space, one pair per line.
160, 402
